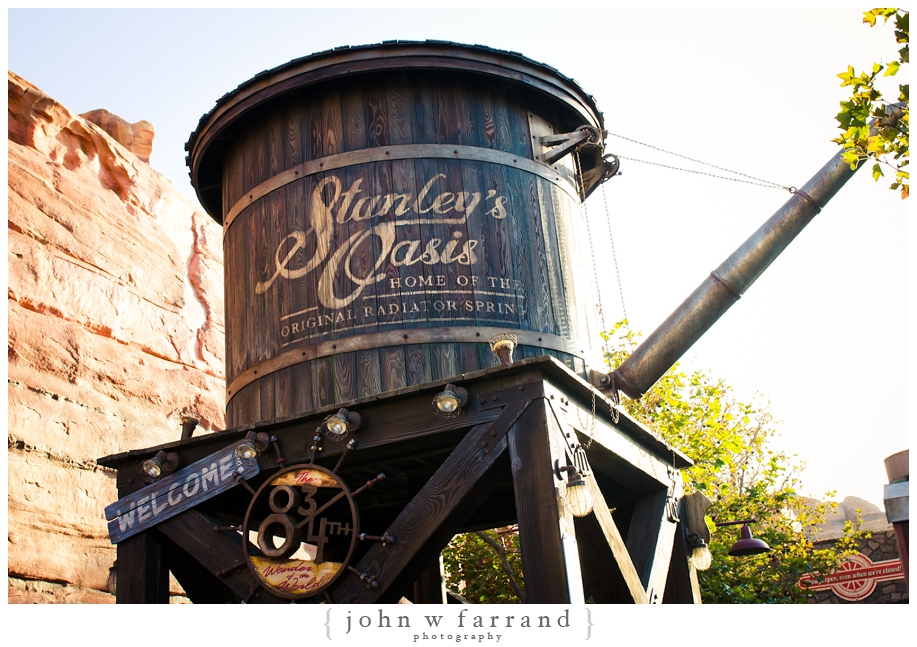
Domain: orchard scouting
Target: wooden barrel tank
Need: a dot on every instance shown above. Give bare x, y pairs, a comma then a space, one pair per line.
386, 211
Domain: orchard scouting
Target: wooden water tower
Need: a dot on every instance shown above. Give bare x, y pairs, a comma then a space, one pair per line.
397, 220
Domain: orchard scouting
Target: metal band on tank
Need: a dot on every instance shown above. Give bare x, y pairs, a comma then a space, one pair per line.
400, 152
458, 334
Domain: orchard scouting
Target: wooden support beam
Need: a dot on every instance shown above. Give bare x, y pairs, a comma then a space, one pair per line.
681, 586
200, 585
613, 450
430, 519
547, 538
616, 543
143, 577
430, 587
218, 552
649, 542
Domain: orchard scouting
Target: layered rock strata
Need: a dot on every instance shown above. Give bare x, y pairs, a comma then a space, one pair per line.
115, 330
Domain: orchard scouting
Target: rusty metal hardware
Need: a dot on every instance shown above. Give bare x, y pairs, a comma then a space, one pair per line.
385, 538
230, 569
369, 484
316, 444
253, 593
241, 481
189, 422
227, 528
366, 578
566, 143
276, 443
519, 393
503, 345
347, 449
501, 424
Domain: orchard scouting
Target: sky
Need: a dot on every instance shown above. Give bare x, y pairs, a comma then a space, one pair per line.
824, 334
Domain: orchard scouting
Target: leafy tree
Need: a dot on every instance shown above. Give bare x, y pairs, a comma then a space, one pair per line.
888, 146
736, 468
745, 478
485, 566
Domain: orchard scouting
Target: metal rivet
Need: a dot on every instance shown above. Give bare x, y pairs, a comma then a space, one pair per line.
405, 336
493, 398
483, 443
521, 387
334, 345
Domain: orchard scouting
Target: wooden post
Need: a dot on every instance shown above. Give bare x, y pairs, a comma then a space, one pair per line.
143, 578
681, 586
430, 587
547, 539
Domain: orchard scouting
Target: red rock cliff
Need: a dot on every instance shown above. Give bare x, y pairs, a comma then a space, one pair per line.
115, 330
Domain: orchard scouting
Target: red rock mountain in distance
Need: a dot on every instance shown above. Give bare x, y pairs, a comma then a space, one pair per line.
115, 330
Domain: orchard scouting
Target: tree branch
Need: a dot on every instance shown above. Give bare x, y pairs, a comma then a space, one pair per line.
501, 553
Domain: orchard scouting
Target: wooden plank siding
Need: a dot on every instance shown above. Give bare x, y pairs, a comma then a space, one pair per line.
476, 243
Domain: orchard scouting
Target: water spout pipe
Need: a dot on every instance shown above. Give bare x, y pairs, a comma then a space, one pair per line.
726, 284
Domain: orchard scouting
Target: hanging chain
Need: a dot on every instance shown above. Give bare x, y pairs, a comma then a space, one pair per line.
614, 255
614, 396
598, 294
756, 181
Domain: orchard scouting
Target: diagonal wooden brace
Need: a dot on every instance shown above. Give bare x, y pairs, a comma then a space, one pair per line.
437, 511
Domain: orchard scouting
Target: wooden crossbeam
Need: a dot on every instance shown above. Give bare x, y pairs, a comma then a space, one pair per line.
430, 519
218, 552
616, 544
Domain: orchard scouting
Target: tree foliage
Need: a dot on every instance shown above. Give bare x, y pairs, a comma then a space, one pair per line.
485, 566
887, 145
735, 466
738, 469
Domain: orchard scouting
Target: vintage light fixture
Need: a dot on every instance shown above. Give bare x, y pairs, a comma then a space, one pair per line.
189, 421
747, 545
251, 446
697, 535
578, 497
449, 402
337, 425
162, 462
700, 557
503, 345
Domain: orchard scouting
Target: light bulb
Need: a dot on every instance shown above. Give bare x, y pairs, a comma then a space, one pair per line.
701, 558
579, 499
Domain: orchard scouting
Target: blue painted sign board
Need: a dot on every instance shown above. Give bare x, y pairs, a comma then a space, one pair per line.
176, 493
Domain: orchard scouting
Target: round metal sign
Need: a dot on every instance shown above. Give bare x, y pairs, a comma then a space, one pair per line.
300, 531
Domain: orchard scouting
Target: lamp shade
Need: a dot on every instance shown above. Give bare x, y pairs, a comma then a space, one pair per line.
748, 545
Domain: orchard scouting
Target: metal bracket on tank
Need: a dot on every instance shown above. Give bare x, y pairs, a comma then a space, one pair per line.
566, 143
